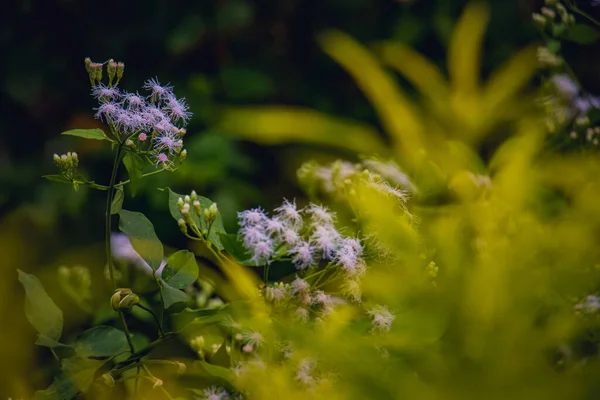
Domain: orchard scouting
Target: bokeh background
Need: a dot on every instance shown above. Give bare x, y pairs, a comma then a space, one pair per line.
216, 53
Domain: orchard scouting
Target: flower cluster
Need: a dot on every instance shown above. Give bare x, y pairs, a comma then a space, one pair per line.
153, 124
305, 235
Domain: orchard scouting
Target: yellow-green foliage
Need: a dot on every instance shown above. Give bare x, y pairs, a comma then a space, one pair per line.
482, 269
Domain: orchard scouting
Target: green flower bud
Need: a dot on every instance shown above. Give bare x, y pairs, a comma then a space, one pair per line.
56, 159
108, 380
181, 367
118, 296
120, 71
182, 132
211, 212
197, 207
129, 301
269, 294
180, 203
194, 195
111, 70
187, 199
182, 225
183, 155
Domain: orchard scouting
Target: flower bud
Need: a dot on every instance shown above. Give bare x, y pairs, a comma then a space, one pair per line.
183, 154
194, 195
120, 71
269, 294
197, 207
123, 299
180, 203
182, 132
182, 225
98, 72
187, 199
111, 70
211, 212
108, 380
181, 368
129, 143
157, 382
56, 159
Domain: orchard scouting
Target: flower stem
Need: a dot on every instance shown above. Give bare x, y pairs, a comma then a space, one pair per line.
158, 323
108, 221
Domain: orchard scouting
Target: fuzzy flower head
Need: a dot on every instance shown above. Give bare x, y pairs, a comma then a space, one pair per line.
320, 215
177, 109
215, 393
158, 91
253, 338
304, 255
106, 93
381, 318
299, 286
252, 217
289, 214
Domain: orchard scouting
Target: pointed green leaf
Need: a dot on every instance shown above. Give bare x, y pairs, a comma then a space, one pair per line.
217, 228
134, 165
101, 341
44, 340
171, 295
96, 134
40, 310
217, 371
117, 201
582, 34
181, 270
57, 178
141, 234
235, 248
221, 358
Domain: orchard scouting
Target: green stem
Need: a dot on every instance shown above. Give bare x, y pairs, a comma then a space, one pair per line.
158, 322
108, 222
162, 302
576, 9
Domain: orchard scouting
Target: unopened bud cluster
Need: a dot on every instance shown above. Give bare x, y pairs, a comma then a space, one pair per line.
195, 217
123, 299
113, 70
67, 163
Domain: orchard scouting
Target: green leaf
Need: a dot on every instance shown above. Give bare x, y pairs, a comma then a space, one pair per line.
199, 317
44, 340
171, 295
217, 228
76, 376
117, 201
217, 371
235, 248
57, 178
181, 270
221, 358
141, 234
134, 165
101, 341
582, 34
40, 310
96, 134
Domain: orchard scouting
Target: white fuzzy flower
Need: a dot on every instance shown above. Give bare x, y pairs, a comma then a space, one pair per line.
304, 255
302, 314
305, 371
289, 214
299, 286
351, 288
289, 236
320, 215
325, 239
215, 393
261, 251
253, 338
381, 318
252, 217
273, 226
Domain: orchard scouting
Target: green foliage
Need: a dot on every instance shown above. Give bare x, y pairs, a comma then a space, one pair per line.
181, 270
100, 341
134, 165
94, 134
40, 310
141, 233
172, 295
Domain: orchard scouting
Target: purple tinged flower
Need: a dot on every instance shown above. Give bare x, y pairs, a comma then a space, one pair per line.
262, 251
167, 142
177, 109
273, 226
566, 86
252, 235
157, 91
289, 214
134, 101
289, 236
106, 93
320, 214
252, 217
304, 255
162, 158
108, 112
325, 239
